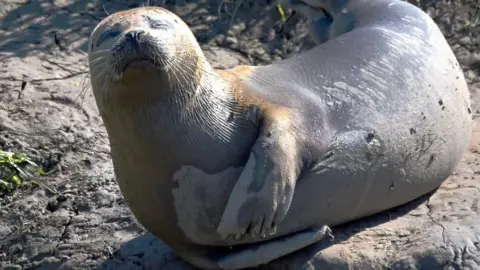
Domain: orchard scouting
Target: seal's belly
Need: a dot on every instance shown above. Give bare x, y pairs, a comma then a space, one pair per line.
188, 203
199, 202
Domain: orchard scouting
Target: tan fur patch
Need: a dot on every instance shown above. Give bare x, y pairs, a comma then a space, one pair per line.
246, 98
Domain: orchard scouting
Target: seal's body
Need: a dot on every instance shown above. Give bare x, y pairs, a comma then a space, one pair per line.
208, 160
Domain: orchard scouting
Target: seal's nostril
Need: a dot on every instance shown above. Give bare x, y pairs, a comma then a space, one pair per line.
135, 35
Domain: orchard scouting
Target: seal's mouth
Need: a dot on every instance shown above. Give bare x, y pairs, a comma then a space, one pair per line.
138, 64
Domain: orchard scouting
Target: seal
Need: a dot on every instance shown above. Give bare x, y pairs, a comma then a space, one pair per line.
235, 168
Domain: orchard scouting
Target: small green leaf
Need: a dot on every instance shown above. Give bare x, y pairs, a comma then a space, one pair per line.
4, 185
282, 13
16, 180
41, 171
17, 165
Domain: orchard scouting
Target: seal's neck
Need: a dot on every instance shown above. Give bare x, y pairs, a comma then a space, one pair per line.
187, 109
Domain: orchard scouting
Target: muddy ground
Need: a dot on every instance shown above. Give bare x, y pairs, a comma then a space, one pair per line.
87, 225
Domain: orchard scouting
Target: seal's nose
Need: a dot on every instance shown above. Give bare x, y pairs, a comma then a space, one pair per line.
135, 35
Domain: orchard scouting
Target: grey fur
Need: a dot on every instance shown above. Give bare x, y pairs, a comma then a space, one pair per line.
360, 93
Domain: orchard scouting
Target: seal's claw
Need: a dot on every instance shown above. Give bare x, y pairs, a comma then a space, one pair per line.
272, 230
257, 226
325, 231
230, 233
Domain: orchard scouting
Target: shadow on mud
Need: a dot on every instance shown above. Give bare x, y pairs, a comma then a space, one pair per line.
148, 252
45, 25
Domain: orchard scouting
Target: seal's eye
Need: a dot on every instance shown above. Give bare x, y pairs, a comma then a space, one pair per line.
158, 24
107, 35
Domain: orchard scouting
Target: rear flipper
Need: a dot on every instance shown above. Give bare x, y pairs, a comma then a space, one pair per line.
328, 18
265, 252
319, 29
320, 20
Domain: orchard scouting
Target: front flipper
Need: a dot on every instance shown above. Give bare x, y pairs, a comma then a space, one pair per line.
262, 195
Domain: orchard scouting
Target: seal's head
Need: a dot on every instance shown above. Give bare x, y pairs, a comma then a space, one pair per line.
146, 49
155, 89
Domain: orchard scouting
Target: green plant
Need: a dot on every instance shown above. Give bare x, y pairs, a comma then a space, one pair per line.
282, 13
475, 22
17, 168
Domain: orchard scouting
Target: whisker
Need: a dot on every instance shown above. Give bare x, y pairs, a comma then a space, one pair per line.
86, 86
99, 51
104, 9
95, 61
